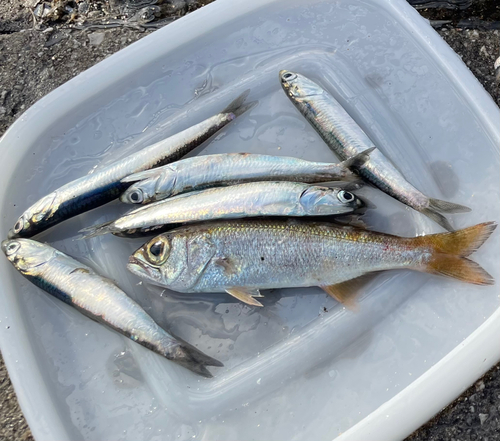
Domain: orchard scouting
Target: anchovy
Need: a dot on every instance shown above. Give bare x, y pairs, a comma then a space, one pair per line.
202, 172
100, 299
243, 257
347, 139
104, 185
243, 200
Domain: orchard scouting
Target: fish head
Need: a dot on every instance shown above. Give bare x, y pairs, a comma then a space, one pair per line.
146, 190
318, 200
161, 261
31, 221
27, 255
139, 193
297, 86
176, 259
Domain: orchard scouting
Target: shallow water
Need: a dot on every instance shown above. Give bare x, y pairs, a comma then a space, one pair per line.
302, 367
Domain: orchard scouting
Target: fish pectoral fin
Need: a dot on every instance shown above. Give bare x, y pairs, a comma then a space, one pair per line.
246, 295
80, 270
227, 264
351, 220
347, 185
348, 291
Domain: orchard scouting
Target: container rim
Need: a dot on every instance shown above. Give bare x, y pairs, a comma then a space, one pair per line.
422, 399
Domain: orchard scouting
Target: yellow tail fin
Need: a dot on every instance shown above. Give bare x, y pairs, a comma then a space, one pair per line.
460, 268
451, 250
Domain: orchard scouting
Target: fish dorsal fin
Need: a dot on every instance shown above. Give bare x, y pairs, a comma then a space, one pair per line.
246, 295
348, 291
357, 161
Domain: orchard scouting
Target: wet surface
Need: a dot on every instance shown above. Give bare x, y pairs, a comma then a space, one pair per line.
39, 53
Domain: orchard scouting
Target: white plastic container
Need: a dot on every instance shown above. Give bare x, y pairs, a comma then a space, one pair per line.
301, 368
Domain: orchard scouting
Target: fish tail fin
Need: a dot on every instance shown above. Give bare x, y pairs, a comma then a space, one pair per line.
437, 207
447, 207
437, 217
238, 106
140, 176
96, 230
358, 160
460, 268
192, 359
460, 243
451, 250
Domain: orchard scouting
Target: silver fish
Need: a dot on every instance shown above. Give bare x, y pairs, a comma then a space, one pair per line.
347, 139
105, 184
208, 171
243, 200
243, 257
100, 299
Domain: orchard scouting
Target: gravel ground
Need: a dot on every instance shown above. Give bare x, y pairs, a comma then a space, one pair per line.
38, 55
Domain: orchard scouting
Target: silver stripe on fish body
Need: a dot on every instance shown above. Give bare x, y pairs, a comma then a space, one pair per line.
346, 139
104, 185
244, 200
100, 299
248, 255
202, 172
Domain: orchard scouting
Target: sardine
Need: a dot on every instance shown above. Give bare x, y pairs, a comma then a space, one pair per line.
243, 257
104, 185
243, 200
100, 299
346, 139
202, 172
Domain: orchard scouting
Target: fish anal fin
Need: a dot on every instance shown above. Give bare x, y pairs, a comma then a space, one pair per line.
347, 292
245, 295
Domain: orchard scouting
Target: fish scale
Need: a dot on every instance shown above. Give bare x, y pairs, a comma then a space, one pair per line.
243, 257
202, 172
100, 299
298, 256
251, 199
346, 139
104, 185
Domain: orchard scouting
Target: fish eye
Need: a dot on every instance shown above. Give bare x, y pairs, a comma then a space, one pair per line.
12, 248
157, 251
19, 225
289, 76
136, 196
345, 196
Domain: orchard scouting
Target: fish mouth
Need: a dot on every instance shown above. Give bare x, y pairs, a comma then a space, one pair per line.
10, 235
139, 268
5, 243
133, 262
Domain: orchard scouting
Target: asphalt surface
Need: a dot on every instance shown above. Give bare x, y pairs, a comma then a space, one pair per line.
37, 54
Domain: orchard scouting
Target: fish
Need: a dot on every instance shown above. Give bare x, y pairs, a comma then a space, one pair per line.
202, 172
104, 185
243, 257
100, 299
346, 139
243, 200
